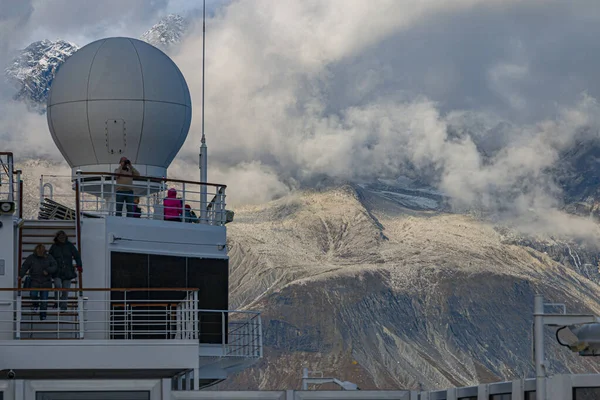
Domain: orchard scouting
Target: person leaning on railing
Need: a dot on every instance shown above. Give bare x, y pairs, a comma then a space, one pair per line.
137, 211
173, 206
124, 188
190, 215
40, 266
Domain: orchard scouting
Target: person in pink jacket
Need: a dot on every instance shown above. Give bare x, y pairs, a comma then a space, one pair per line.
173, 206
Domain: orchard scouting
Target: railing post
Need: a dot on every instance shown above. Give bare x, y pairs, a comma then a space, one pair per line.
113, 195
20, 194
183, 202
222, 206
41, 189
223, 332
18, 321
188, 318
11, 183
78, 225
260, 338
80, 315
195, 311
125, 316
102, 192
147, 198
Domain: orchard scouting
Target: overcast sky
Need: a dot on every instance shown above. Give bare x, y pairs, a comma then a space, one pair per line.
479, 96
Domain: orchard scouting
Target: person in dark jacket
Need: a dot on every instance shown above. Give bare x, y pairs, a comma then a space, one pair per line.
190, 215
137, 211
64, 252
40, 266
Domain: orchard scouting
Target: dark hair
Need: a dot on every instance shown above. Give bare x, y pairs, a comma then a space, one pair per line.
58, 234
39, 247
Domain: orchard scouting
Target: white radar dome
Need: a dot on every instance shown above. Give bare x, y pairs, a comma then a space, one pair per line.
119, 97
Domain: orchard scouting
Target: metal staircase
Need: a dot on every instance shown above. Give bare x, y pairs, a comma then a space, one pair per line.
58, 324
62, 325
34, 232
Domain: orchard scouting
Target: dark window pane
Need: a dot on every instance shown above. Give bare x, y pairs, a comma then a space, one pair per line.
504, 396
530, 395
211, 277
586, 393
128, 270
167, 272
124, 395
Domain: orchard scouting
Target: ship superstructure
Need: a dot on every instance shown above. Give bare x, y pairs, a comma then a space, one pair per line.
149, 312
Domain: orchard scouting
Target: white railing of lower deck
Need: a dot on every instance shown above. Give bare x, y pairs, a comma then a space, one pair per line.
126, 316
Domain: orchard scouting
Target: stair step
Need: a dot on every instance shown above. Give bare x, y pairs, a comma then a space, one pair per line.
70, 304
52, 301
48, 223
50, 313
50, 338
47, 321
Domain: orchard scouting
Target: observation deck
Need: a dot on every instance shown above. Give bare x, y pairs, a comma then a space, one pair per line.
152, 300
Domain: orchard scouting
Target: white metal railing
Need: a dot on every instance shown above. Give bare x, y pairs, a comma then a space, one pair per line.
10, 182
101, 195
59, 188
151, 197
130, 314
114, 314
238, 332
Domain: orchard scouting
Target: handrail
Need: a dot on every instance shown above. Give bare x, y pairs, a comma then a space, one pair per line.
20, 194
101, 290
78, 232
158, 179
20, 244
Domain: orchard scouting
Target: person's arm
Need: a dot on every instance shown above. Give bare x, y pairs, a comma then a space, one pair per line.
25, 268
76, 255
52, 250
53, 266
134, 171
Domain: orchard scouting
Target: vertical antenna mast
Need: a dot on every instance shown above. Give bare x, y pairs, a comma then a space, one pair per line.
203, 150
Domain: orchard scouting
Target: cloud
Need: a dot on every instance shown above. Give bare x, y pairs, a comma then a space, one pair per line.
82, 22
477, 97
458, 93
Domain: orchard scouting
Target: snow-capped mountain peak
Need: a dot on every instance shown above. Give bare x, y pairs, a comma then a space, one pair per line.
167, 32
34, 69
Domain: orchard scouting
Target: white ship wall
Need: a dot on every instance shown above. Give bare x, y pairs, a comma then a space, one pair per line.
560, 387
8, 257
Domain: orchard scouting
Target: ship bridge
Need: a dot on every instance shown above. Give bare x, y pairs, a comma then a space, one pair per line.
152, 300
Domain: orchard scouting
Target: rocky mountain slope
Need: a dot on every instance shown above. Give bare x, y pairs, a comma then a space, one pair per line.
421, 299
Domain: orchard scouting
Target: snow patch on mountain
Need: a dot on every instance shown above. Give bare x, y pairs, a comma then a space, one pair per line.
167, 33
34, 69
